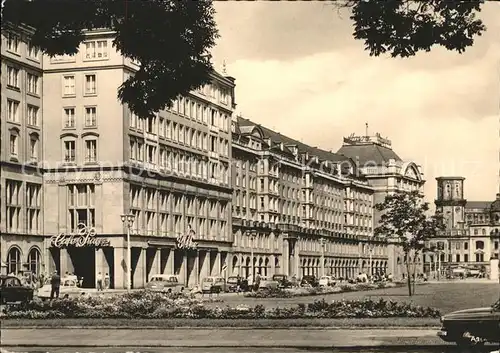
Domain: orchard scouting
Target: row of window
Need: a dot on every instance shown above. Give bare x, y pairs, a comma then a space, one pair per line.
92, 50
160, 212
14, 80
199, 112
23, 206
15, 261
14, 46
13, 113
182, 134
89, 85
32, 148
89, 117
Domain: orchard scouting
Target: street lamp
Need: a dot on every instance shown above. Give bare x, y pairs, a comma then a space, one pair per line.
128, 221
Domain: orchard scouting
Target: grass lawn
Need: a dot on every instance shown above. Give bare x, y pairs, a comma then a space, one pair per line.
214, 323
446, 297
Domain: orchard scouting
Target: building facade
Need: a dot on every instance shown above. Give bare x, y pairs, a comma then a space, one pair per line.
21, 180
299, 210
171, 171
472, 235
386, 173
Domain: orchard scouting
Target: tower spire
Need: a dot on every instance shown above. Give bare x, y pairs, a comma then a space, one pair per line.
366, 130
224, 72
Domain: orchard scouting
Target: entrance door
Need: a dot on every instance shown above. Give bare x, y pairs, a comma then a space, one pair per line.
83, 260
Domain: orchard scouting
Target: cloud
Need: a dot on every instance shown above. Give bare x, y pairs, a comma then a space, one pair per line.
440, 109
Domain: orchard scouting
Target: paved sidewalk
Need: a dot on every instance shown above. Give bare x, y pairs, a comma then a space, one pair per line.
270, 338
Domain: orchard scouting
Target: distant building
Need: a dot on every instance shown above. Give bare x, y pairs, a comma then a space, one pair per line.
472, 235
386, 173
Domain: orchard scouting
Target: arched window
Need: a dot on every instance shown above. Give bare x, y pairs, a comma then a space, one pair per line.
14, 261
34, 261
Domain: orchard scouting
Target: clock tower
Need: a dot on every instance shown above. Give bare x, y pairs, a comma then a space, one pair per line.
450, 201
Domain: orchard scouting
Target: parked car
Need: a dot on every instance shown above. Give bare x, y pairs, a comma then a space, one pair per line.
309, 281
235, 282
12, 291
326, 281
165, 283
69, 288
283, 281
213, 284
472, 326
267, 283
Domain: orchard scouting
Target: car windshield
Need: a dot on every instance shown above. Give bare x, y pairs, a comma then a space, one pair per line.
11, 282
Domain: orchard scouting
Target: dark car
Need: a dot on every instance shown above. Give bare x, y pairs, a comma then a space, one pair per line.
472, 326
282, 280
309, 281
12, 291
235, 282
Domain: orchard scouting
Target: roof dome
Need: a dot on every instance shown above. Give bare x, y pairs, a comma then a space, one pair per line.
495, 205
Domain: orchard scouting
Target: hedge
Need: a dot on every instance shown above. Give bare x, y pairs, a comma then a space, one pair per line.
154, 305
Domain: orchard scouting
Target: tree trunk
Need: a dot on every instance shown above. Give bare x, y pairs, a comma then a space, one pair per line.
408, 275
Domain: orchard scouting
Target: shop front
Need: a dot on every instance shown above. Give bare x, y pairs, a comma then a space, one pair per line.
84, 254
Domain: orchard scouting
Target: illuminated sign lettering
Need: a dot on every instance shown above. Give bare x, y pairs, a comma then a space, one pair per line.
186, 241
85, 236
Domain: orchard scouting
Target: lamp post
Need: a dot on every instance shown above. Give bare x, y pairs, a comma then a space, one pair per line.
128, 221
322, 242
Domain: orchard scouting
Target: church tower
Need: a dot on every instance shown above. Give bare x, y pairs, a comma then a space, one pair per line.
450, 201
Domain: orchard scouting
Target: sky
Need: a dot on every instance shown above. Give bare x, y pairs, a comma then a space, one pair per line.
299, 70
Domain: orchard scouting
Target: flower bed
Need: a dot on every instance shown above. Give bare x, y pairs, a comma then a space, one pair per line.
151, 305
308, 291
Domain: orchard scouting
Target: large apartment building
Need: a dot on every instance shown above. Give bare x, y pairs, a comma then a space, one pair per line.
299, 210
171, 171
21, 199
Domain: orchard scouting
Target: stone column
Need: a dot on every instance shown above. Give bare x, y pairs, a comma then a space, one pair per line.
286, 257
66, 263
120, 275
217, 265
140, 270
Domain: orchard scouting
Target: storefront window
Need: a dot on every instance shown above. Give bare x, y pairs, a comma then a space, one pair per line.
14, 261
34, 258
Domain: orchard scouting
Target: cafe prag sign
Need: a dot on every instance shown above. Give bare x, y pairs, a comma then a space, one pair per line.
85, 236
186, 241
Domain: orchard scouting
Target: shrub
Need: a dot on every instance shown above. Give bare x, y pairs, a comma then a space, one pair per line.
150, 305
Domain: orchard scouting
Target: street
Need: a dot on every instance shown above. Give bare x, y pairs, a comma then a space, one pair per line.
237, 350
445, 296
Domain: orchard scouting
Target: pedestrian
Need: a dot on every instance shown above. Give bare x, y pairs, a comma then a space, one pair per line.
99, 282
55, 284
257, 282
107, 281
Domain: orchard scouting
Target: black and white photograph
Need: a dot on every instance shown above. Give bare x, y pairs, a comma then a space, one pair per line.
206, 176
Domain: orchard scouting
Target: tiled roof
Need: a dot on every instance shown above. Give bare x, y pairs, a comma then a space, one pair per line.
478, 204
369, 153
287, 141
